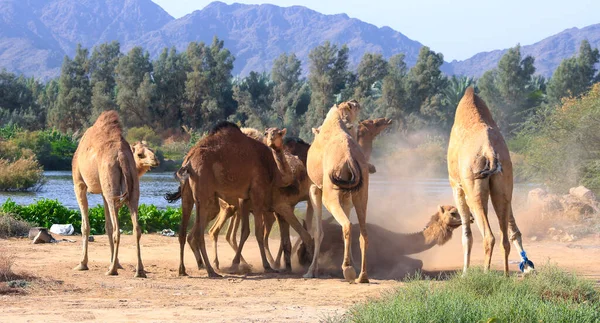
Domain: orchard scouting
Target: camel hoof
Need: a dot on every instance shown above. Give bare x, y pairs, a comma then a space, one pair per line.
81, 267
140, 274
349, 273
362, 279
119, 266
310, 275
182, 274
270, 271
214, 275
112, 273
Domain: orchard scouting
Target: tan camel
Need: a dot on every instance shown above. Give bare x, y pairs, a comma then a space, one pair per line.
479, 167
104, 163
284, 199
339, 170
389, 248
229, 165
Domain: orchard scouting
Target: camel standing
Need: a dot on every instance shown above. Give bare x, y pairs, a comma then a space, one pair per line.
104, 163
229, 165
479, 167
339, 170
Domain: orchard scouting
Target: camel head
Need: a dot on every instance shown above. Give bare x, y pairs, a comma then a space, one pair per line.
348, 112
144, 157
442, 224
368, 130
274, 138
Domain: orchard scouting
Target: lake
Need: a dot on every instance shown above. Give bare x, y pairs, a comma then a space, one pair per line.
154, 185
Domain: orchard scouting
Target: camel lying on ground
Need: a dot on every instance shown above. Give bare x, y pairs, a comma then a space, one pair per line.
104, 163
228, 165
339, 171
387, 257
479, 167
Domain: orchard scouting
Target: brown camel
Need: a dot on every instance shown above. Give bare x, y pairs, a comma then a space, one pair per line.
104, 163
284, 199
339, 170
229, 165
479, 167
388, 260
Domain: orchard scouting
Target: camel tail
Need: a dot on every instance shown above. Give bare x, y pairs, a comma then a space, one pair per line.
127, 179
181, 175
354, 183
491, 166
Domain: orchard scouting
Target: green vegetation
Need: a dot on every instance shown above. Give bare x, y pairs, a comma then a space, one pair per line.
46, 212
549, 296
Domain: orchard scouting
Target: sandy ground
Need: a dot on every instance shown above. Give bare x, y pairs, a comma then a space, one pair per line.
63, 295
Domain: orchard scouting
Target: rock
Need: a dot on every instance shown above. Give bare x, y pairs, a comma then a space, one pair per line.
583, 193
534, 238
62, 229
575, 208
543, 201
43, 237
91, 238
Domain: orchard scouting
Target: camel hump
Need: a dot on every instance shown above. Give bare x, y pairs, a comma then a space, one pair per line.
221, 126
351, 167
469, 92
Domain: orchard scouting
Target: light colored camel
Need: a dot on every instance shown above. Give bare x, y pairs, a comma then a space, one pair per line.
339, 170
284, 199
104, 163
479, 167
387, 257
229, 165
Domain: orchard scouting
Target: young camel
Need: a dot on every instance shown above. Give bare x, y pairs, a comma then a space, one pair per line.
284, 198
479, 167
229, 165
339, 170
104, 163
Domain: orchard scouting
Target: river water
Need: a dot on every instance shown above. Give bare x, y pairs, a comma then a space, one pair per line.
154, 185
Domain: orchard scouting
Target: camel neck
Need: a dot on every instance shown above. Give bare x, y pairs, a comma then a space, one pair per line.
434, 234
286, 177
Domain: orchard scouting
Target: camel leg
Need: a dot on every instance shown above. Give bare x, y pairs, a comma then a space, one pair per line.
477, 198
187, 204
231, 235
526, 265
308, 221
269, 220
215, 230
133, 208
203, 212
116, 236
243, 214
359, 200
316, 198
465, 216
338, 205
286, 245
259, 219
287, 212
80, 193
109, 232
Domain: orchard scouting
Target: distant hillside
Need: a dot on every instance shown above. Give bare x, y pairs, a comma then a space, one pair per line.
36, 34
548, 53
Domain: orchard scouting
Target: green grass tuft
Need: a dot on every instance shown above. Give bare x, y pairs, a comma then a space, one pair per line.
550, 295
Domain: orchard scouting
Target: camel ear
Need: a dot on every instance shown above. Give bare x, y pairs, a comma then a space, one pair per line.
315, 131
223, 204
283, 132
132, 149
440, 209
144, 143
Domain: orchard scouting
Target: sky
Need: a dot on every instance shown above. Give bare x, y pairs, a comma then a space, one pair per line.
457, 28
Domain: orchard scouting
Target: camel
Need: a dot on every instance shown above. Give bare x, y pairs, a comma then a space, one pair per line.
284, 199
229, 165
104, 163
339, 171
479, 167
390, 248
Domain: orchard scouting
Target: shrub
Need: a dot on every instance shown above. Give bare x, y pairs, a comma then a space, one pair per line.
6, 263
143, 133
10, 226
21, 175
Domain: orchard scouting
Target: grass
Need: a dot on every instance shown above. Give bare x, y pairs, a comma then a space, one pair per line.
10, 226
550, 295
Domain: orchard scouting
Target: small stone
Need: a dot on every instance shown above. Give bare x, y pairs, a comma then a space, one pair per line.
534, 238
91, 238
555, 238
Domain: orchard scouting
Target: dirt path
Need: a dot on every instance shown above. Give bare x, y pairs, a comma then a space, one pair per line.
64, 295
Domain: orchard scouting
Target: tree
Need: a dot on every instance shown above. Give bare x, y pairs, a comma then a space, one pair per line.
170, 76
72, 110
507, 90
372, 68
103, 63
135, 88
253, 94
574, 76
328, 75
393, 94
290, 94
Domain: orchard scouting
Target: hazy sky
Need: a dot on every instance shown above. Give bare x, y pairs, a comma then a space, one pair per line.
457, 28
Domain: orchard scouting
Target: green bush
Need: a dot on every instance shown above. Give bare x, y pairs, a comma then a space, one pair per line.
21, 175
143, 133
46, 212
53, 149
550, 295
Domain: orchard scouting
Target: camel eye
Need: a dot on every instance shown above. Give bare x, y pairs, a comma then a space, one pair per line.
140, 155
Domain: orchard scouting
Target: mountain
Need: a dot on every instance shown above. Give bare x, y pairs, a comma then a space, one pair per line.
257, 34
548, 53
35, 35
